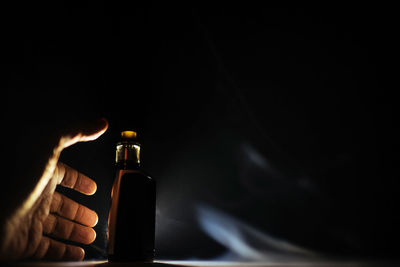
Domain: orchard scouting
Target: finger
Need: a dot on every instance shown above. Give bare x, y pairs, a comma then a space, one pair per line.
83, 132
72, 210
94, 130
71, 178
54, 250
62, 228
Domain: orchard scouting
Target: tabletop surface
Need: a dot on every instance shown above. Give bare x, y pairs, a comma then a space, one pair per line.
172, 263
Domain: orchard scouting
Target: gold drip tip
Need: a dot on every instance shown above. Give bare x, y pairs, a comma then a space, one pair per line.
128, 134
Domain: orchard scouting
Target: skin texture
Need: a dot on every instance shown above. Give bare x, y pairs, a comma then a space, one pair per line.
44, 214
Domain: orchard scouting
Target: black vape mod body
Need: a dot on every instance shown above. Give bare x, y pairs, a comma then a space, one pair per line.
131, 222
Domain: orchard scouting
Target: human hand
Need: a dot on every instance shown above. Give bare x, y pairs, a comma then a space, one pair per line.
45, 213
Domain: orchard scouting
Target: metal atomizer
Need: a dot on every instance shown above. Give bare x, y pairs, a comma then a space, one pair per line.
131, 221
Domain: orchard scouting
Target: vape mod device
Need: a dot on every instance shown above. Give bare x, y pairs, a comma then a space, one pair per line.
131, 221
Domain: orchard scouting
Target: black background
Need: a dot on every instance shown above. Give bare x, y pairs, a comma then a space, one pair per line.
309, 91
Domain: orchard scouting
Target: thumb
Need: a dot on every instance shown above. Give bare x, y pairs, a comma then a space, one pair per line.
83, 132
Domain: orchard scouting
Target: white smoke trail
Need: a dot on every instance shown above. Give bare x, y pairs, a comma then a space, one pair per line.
244, 242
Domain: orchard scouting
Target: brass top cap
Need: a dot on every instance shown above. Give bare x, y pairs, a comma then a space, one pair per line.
128, 135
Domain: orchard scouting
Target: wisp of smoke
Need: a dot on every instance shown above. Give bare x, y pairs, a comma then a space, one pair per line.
246, 243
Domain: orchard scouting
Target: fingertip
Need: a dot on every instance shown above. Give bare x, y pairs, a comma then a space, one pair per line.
94, 130
97, 220
91, 237
93, 190
94, 219
87, 187
94, 236
105, 123
102, 125
81, 254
